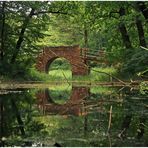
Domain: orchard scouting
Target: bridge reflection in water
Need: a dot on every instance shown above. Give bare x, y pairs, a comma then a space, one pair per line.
74, 105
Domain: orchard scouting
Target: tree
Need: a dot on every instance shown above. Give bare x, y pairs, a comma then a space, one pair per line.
122, 28
140, 30
114, 27
21, 35
143, 8
23, 24
2, 30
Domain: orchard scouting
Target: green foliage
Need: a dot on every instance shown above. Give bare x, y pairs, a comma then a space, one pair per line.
17, 71
87, 129
137, 62
65, 75
15, 16
60, 93
144, 88
60, 63
26, 27
101, 90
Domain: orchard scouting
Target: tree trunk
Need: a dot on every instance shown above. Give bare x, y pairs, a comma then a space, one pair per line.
125, 125
18, 116
140, 32
2, 143
85, 125
85, 36
2, 31
144, 10
123, 31
21, 36
140, 132
1, 119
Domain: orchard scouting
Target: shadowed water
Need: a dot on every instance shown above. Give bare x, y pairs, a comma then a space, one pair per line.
73, 116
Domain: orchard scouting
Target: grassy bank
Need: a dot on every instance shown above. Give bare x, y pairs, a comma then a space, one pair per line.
66, 75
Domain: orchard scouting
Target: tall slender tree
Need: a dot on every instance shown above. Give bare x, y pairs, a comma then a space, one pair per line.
140, 30
123, 30
2, 30
21, 35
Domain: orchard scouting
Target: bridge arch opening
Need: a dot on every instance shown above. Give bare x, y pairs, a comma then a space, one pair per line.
71, 53
59, 94
49, 104
59, 68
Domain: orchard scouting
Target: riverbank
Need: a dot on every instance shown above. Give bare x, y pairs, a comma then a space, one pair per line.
96, 74
41, 84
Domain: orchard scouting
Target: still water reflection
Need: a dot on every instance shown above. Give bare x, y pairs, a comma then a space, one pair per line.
73, 116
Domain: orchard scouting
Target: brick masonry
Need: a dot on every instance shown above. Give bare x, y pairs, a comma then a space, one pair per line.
71, 53
73, 106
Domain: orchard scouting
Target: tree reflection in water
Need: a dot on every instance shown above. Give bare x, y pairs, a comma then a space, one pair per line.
34, 118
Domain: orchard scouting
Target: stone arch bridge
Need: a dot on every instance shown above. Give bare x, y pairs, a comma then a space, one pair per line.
71, 53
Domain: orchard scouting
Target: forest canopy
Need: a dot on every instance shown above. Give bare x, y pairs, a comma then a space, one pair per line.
118, 28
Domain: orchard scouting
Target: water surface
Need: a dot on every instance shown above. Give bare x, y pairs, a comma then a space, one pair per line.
66, 115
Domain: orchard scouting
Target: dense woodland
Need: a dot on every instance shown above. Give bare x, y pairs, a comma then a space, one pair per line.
118, 28
93, 115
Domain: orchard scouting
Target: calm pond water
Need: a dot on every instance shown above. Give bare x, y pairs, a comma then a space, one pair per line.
73, 116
